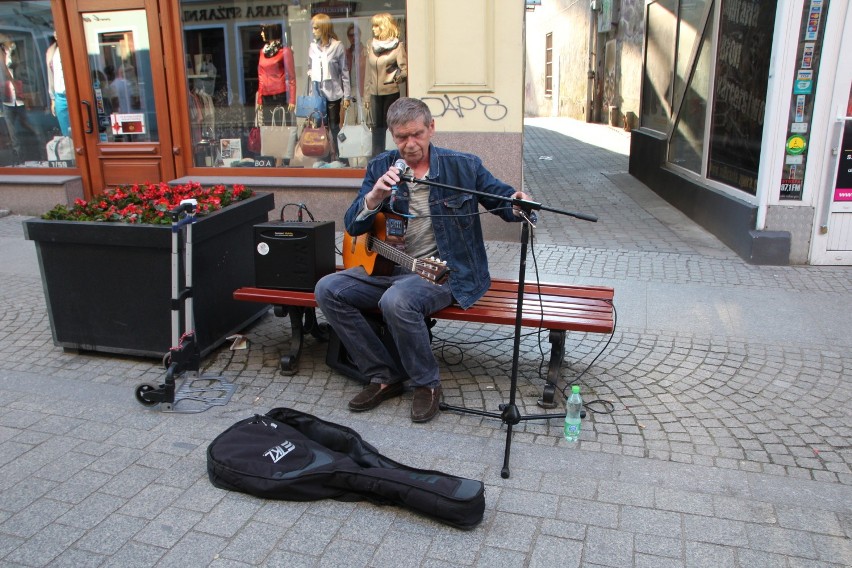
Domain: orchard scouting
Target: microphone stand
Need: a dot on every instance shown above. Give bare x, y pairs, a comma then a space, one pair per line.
509, 415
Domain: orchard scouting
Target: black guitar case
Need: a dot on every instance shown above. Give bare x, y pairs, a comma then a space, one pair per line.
289, 455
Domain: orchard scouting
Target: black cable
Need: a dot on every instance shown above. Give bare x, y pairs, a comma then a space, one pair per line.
608, 405
300, 207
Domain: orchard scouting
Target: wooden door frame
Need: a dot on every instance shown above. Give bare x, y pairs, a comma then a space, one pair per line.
94, 152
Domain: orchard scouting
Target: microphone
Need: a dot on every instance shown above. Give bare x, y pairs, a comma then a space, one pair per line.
404, 175
405, 171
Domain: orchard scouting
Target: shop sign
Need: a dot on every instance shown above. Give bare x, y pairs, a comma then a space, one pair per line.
219, 12
127, 123
804, 82
796, 144
791, 188
814, 16
843, 181
807, 56
802, 105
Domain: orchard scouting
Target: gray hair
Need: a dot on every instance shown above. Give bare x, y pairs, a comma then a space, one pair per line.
405, 110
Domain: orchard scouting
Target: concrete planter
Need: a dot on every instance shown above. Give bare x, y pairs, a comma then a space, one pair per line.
108, 285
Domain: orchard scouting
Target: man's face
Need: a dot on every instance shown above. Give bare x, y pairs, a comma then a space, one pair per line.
412, 140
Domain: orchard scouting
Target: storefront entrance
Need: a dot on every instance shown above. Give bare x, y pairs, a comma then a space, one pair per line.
832, 241
123, 106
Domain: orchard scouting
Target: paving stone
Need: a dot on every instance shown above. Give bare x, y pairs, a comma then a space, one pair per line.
111, 534
735, 430
607, 547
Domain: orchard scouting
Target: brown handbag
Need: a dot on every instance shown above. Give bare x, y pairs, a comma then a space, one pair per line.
315, 141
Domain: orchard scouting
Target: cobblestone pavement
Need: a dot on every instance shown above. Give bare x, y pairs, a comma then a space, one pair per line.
728, 442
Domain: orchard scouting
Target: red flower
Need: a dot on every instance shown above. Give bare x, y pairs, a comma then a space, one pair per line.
149, 203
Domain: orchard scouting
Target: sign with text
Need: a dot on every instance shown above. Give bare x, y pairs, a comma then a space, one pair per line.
127, 123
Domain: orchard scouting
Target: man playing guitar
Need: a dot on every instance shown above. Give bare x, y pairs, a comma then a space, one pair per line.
418, 221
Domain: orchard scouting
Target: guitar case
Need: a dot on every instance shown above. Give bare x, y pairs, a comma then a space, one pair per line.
290, 455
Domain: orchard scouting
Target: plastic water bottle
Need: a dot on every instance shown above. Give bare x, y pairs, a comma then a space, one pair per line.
573, 407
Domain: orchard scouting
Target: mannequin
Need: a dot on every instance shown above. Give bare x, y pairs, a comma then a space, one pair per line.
22, 136
329, 72
387, 67
356, 59
56, 87
276, 74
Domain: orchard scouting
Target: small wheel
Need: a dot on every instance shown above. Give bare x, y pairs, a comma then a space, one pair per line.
141, 390
167, 360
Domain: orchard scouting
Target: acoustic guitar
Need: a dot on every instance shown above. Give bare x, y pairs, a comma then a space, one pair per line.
378, 257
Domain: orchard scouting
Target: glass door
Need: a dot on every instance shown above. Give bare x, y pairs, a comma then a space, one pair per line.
122, 87
832, 238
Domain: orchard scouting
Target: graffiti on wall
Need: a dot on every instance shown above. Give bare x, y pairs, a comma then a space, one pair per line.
488, 105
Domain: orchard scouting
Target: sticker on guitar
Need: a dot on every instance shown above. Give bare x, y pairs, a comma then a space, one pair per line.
378, 257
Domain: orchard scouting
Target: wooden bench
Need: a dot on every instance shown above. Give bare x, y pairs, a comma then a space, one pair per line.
559, 308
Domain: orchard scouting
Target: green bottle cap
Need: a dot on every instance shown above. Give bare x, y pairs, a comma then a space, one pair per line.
575, 389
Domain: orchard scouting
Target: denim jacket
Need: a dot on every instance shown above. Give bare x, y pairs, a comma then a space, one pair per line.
455, 215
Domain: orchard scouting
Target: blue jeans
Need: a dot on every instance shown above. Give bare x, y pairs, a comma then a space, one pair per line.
61, 107
405, 300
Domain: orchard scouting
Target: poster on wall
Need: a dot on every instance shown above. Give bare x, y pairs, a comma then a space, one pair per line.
739, 104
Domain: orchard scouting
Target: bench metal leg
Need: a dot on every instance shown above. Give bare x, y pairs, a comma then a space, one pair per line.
302, 320
554, 368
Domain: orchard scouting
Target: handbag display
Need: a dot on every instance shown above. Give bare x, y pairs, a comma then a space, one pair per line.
314, 141
253, 144
277, 139
299, 160
60, 148
311, 101
354, 140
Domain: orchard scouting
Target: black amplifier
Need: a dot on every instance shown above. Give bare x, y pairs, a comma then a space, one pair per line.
293, 255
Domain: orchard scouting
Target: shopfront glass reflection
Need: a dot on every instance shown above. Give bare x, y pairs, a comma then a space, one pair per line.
34, 130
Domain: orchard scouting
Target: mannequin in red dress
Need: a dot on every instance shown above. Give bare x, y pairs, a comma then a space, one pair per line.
276, 74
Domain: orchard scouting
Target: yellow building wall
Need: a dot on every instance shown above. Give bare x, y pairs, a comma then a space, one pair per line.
466, 61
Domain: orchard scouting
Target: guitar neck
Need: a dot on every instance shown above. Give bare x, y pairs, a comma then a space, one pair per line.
394, 254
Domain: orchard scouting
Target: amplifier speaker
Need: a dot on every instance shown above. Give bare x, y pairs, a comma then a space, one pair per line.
293, 255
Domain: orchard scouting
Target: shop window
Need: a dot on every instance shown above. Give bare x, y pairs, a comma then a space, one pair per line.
548, 65
34, 129
247, 63
692, 81
739, 101
661, 25
122, 82
705, 78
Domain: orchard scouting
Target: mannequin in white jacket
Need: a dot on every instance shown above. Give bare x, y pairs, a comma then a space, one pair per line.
329, 72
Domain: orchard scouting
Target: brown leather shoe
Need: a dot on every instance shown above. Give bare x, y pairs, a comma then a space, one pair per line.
373, 395
424, 406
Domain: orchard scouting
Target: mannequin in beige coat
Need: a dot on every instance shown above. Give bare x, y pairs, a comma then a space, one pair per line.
386, 68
